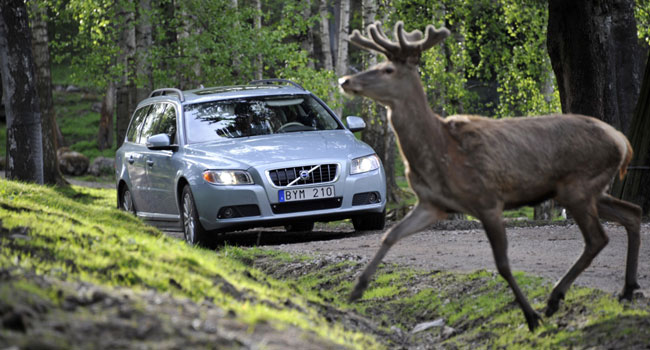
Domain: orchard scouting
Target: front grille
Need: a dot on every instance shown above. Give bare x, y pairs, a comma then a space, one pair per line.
316, 204
324, 173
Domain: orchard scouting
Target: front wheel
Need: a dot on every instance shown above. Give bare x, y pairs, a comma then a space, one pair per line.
193, 231
126, 201
369, 222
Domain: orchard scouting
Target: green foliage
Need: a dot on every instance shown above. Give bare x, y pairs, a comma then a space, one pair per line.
194, 42
496, 48
642, 16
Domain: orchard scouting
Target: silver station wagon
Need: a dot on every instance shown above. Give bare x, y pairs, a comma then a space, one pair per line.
228, 158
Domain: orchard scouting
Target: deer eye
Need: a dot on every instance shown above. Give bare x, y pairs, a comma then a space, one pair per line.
389, 70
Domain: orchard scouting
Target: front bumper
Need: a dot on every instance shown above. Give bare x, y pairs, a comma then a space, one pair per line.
212, 201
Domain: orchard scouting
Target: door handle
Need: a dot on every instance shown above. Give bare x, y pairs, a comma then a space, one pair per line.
131, 160
149, 162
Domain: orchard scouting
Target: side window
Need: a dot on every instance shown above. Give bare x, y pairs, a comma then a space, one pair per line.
167, 124
154, 116
136, 124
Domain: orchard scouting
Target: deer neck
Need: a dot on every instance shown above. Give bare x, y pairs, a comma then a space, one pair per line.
413, 120
420, 133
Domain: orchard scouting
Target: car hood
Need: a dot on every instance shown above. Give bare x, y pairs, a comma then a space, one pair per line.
260, 150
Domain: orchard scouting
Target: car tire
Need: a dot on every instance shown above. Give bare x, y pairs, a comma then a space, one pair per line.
126, 200
369, 222
193, 232
307, 226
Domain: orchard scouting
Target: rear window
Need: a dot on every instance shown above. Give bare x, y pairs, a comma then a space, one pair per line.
249, 117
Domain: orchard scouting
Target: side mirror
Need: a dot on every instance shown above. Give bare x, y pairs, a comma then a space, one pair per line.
160, 142
355, 123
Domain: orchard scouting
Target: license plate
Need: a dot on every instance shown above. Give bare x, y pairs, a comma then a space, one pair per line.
304, 194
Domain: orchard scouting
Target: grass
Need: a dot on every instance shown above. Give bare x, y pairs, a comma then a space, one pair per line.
76, 234
479, 307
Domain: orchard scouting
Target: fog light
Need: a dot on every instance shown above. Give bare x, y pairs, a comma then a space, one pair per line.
226, 213
373, 197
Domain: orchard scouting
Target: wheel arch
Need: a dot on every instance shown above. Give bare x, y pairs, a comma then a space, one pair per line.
182, 182
120, 187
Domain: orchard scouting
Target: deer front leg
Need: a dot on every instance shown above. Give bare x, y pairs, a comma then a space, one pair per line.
493, 225
595, 240
419, 218
628, 215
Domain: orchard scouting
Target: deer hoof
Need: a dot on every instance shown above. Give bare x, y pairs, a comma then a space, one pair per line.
628, 292
533, 321
553, 304
358, 291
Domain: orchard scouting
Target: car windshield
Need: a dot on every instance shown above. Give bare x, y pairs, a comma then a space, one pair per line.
217, 120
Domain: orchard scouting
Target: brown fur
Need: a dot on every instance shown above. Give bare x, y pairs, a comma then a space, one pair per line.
480, 166
626, 162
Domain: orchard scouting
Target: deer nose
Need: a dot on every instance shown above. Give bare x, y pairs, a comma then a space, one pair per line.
344, 81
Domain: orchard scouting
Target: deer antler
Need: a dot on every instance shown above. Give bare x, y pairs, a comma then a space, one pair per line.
409, 46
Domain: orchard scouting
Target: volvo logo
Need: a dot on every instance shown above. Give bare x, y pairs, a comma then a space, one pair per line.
304, 175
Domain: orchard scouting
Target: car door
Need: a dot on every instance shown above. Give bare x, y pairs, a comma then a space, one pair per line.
134, 158
161, 167
142, 159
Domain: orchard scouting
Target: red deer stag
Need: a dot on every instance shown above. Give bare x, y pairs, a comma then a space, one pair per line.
482, 166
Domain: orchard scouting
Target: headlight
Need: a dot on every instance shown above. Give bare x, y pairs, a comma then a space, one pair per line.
227, 177
365, 164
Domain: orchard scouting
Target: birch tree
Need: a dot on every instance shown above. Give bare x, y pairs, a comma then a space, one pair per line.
326, 47
49, 128
24, 136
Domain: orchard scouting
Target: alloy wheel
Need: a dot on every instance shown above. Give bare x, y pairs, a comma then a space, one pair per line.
189, 228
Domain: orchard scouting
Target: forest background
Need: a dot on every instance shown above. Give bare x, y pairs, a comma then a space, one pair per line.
498, 61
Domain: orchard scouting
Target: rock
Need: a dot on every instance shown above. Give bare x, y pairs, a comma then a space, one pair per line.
426, 325
96, 107
71, 162
102, 166
72, 88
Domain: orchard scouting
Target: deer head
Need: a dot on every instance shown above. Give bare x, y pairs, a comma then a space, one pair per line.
384, 81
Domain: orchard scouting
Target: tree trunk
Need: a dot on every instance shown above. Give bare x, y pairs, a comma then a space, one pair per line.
636, 185
105, 135
24, 136
378, 133
325, 35
51, 173
126, 90
143, 42
307, 42
259, 64
596, 58
344, 29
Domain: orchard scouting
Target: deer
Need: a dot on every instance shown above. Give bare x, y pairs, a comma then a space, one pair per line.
482, 166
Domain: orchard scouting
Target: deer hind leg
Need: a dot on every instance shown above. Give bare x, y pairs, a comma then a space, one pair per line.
496, 233
595, 240
628, 215
419, 218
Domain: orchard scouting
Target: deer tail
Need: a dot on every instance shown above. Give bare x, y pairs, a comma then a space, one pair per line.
628, 158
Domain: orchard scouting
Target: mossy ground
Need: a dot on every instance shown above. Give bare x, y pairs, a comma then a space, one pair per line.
74, 237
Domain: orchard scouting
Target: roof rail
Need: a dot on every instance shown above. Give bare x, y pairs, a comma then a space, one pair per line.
167, 91
272, 81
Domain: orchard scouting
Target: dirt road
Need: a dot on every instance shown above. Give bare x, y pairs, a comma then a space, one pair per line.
546, 251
